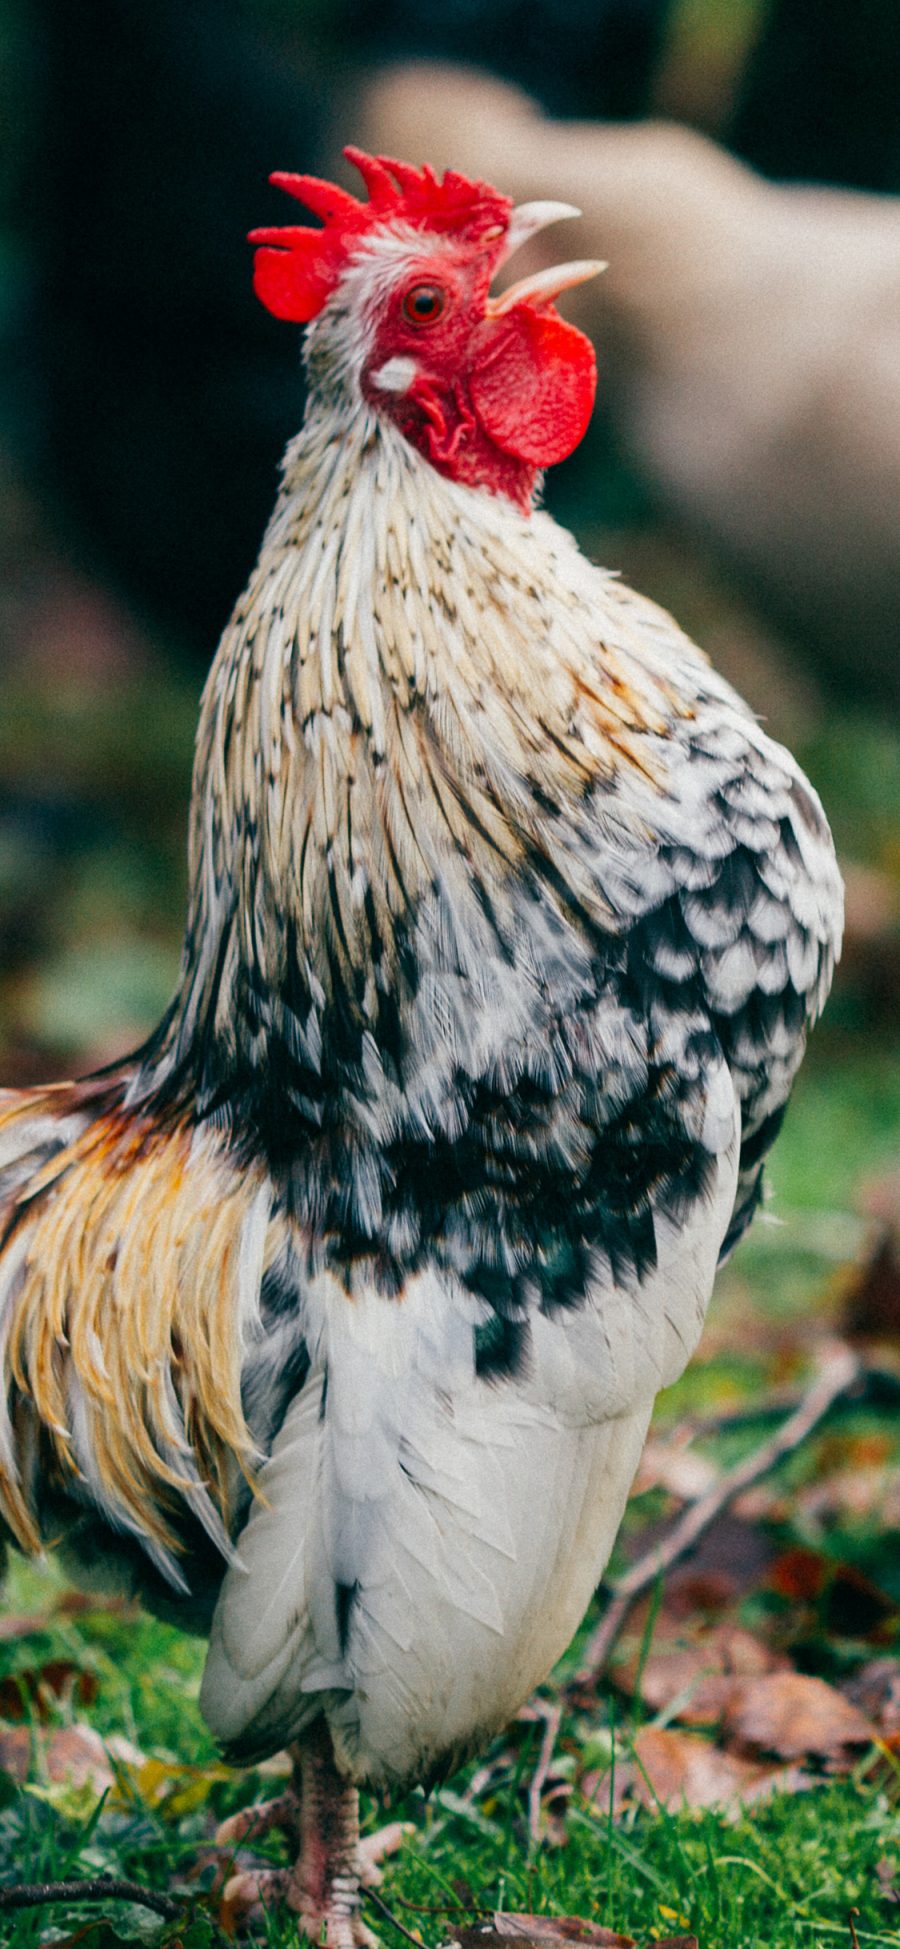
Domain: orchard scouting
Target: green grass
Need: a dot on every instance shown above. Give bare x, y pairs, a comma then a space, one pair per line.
782, 1877
787, 1874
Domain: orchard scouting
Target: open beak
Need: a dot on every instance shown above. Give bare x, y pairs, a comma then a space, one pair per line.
544, 286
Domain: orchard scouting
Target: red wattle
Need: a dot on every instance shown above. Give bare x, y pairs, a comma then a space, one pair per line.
532, 385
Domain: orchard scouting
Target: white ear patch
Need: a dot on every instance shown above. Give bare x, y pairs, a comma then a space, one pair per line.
396, 376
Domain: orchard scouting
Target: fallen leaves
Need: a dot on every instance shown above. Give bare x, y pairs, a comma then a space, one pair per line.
695, 1669
831, 1599
555, 1932
782, 1716
73, 1756
671, 1769
542, 1931
696, 1663
36, 1690
775, 1728
795, 1717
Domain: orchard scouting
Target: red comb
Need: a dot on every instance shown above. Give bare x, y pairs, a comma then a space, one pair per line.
297, 268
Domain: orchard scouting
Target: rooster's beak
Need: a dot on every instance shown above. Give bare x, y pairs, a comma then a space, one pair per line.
544, 286
529, 218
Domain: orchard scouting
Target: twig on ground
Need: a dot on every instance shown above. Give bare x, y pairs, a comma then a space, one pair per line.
739, 1414
838, 1369
551, 1715
378, 1902
102, 1888
872, 1384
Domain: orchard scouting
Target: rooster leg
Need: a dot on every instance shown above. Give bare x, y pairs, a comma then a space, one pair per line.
323, 1886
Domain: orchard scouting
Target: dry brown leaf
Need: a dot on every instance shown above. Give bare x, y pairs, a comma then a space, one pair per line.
680, 1767
794, 1716
675, 1769
572, 1928
30, 1692
74, 1753
697, 1666
546, 1930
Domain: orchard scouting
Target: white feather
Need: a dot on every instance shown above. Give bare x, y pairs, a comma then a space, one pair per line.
471, 1520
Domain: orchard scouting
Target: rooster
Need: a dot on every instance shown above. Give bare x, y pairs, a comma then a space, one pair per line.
333, 1318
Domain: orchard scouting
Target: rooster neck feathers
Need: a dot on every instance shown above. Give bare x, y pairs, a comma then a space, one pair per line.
411, 689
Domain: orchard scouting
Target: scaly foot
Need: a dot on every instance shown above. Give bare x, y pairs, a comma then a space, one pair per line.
250, 1891
319, 1816
336, 1923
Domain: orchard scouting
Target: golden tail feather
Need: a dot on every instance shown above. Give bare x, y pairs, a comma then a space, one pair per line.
128, 1295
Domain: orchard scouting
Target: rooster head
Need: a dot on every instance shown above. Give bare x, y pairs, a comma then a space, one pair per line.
489, 389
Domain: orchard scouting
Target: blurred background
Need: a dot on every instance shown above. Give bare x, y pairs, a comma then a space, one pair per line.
738, 163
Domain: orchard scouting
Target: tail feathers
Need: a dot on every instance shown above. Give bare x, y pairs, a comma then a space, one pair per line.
34, 1129
131, 1258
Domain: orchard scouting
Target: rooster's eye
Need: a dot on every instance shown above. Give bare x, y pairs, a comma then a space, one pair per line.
424, 303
